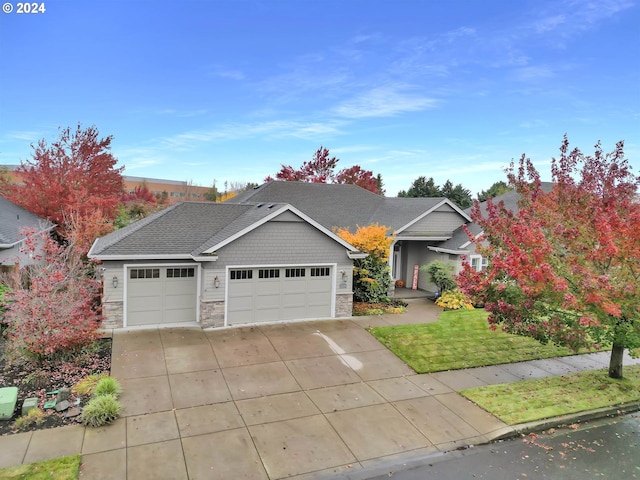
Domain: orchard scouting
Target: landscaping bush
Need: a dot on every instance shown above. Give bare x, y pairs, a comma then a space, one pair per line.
101, 410
454, 300
440, 273
33, 417
87, 384
52, 310
107, 386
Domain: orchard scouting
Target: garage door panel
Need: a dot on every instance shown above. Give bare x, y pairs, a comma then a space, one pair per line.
151, 303
288, 294
267, 301
268, 287
157, 295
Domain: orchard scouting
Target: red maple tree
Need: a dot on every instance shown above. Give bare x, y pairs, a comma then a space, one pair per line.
565, 267
53, 302
72, 180
321, 169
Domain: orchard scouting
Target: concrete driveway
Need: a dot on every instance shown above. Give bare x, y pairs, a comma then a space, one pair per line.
309, 399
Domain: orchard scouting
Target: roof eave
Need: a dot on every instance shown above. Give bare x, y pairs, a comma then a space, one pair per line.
156, 256
448, 250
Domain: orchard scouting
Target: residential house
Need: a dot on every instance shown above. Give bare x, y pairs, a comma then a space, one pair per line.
14, 222
269, 254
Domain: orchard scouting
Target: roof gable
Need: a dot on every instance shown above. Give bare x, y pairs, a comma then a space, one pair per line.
193, 230
13, 219
346, 205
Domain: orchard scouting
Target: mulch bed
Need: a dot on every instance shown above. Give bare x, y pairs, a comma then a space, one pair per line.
35, 380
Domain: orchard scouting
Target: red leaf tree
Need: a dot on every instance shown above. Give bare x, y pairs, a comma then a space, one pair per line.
321, 169
565, 267
53, 305
73, 179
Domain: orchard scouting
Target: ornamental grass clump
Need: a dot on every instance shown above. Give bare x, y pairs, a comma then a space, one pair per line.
103, 408
87, 385
106, 386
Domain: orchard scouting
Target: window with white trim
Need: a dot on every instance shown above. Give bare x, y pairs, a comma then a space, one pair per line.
478, 262
144, 273
269, 273
184, 272
241, 274
294, 272
320, 272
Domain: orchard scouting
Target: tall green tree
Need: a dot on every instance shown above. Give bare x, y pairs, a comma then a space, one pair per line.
423, 187
565, 267
495, 190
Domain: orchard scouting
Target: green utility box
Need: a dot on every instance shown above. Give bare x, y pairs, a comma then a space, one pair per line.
8, 400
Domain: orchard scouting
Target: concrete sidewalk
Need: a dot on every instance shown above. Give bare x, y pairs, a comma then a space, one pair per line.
303, 400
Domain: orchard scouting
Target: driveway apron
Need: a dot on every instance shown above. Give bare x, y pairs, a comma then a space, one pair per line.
302, 400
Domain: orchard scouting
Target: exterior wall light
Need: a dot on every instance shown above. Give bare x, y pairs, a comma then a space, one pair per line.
216, 282
114, 281
344, 275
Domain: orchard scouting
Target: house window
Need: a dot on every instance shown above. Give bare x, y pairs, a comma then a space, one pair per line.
144, 273
294, 272
241, 274
269, 273
320, 272
180, 272
478, 262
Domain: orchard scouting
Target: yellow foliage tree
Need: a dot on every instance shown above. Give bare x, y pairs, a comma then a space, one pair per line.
371, 239
371, 275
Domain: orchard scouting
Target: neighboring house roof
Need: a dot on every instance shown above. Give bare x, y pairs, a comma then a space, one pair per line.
345, 205
13, 219
460, 244
193, 230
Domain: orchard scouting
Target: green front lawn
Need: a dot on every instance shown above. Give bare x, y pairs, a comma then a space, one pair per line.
530, 400
460, 339
65, 468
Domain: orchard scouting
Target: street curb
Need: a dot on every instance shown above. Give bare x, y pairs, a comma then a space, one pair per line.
505, 433
588, 415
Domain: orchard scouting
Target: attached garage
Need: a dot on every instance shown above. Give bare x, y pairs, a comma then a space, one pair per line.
269, 294
161, 294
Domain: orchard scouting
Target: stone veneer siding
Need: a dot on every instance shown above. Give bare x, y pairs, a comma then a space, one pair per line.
211, 314
113, 315
344, 305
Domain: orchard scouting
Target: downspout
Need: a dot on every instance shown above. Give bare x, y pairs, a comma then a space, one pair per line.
392, 284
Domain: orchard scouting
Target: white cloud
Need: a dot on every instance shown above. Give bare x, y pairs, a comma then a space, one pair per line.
385, 101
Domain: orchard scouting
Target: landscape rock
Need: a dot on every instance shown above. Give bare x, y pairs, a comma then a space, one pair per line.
62, 406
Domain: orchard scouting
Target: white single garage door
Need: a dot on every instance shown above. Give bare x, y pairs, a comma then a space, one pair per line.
161, 295
278, 293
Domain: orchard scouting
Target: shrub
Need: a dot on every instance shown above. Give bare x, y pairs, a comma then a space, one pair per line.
107, 386
440, 273
52, 312
454, 300
87, 384
100, 410
34, 416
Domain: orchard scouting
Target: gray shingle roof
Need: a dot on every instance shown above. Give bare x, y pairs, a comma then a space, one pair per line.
337, 205
182, 229
14, 218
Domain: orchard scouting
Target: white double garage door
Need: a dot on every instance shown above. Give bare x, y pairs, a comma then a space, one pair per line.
167, 294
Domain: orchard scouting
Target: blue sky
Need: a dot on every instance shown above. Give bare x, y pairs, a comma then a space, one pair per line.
230, 90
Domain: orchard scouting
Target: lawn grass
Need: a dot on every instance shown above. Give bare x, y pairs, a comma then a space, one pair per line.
460, 339
530, 400
65, 468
